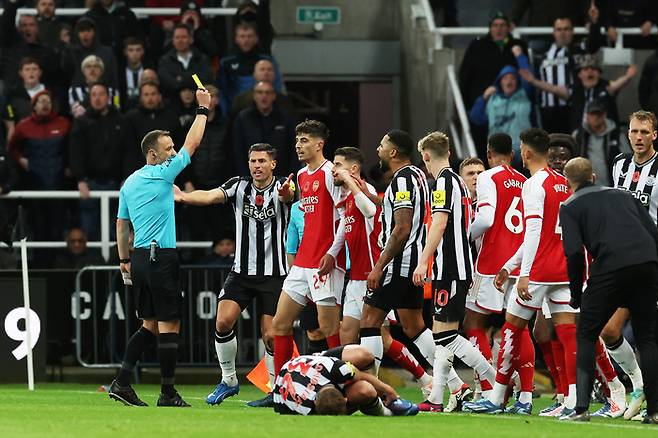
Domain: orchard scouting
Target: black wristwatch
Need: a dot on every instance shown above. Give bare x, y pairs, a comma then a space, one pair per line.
124, 261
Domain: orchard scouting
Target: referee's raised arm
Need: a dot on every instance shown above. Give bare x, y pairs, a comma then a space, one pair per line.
195, 134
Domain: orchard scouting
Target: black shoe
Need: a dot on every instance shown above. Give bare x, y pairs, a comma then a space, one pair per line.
124, 394
650, 419
265, 402
573, 416
172, 400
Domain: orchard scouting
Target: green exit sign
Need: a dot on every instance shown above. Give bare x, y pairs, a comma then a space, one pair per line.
318, 14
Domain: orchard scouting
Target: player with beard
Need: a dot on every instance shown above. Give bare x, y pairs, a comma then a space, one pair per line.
261, 204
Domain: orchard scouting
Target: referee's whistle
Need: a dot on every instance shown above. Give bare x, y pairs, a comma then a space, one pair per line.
154, 245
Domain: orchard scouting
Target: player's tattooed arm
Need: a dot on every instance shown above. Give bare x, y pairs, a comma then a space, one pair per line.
394, 245
200, 197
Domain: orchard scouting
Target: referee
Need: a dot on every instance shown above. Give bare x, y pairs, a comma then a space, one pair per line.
147, 201
620, 235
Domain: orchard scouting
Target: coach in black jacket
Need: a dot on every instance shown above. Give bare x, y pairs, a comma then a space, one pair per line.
623, 240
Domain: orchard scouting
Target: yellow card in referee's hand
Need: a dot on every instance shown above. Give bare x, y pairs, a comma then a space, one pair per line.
197, 81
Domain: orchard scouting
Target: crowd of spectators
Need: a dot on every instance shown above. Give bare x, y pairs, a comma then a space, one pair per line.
77, 95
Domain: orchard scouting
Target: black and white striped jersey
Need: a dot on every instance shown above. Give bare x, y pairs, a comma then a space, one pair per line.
297, 385
454, 260
408, 189
261, 221
556, 68
639, 179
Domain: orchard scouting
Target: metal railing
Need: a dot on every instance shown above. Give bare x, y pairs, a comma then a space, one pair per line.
104, 196
140, 12
463, 142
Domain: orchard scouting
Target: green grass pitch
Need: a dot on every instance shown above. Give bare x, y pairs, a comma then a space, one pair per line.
76, 410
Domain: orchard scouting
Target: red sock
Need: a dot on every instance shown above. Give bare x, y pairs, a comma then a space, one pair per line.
333, 341
526, 361
478, 337
547, 352
403, 357
283, 347
603, 361
558, 357
510, 347
566, 333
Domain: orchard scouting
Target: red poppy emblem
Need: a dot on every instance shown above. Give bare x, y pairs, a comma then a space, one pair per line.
259, 200
636, 176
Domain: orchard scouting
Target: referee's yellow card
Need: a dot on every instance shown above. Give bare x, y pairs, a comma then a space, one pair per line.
197, 81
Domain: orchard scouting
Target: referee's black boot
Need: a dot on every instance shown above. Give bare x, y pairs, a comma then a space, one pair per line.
124, 394
265, 402
650, 419
174, 400
573, 416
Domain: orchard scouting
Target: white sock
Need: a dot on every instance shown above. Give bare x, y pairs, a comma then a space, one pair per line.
625, 358
377, 409
497, 394
525, 397
226, 348
560, 399
495, 350
570, 399
517, 380
425, 380
374, 345
269, 362
473, 358
442, 365
425, 343
455, 382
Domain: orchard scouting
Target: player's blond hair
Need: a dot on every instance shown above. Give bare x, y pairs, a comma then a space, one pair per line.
435, 143
643, 116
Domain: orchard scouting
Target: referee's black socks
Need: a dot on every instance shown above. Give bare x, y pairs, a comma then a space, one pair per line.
167, 354
137, 343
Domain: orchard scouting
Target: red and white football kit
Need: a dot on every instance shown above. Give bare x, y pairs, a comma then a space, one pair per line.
499, 220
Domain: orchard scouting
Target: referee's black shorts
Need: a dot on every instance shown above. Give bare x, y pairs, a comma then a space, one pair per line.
243, 289
156, 284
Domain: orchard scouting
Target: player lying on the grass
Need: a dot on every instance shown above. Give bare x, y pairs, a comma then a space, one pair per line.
261, 204
334, 383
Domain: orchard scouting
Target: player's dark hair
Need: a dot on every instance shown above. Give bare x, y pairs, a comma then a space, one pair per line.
500, 143
330, 401
402, 141
263, 147
645, 115
350, 154
536, 139
150, 140
313, 128
469, 162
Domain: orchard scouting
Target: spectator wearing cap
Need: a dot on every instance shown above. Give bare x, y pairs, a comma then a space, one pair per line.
236, 70
20, 96
561, 149
101, 132
483, 60
86, 43
39, 145
505, 106
264, 71
558, 66
589, 87
92, 69
114, 23
176, 67
264, 122
599, 140
22, 41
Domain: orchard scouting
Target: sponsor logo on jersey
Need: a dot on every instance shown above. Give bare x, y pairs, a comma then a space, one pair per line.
438, 198
402, 197
260, 214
